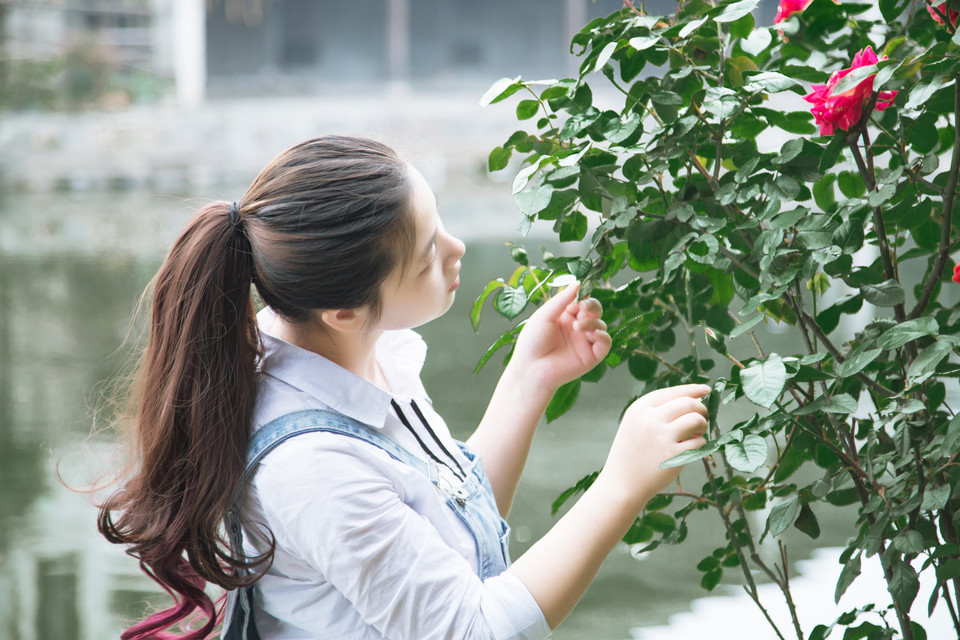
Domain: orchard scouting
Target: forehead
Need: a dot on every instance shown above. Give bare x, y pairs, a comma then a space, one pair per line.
423, 207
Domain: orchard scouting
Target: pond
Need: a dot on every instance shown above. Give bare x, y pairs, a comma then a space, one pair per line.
71, 269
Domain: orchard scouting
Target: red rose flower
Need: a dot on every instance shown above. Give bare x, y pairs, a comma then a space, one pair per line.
944, 9
844, 111
956, 273
787, 8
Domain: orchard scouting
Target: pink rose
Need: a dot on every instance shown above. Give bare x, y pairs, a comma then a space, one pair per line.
787, 8
956, 273
945, 10
844, 111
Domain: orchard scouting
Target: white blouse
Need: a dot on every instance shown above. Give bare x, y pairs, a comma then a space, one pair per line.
366, 546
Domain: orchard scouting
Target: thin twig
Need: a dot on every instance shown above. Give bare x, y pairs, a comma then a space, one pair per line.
950, 191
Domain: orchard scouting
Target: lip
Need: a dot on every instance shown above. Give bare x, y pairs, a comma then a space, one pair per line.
456, 279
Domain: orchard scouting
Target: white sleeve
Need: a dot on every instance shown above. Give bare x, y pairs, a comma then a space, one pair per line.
330, 501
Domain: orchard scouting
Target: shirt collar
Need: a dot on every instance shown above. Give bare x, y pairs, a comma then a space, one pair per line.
400, 354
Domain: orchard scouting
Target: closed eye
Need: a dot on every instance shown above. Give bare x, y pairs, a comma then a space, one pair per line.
433, 257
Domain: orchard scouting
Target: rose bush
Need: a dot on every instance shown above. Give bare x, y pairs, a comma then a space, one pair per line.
703, 202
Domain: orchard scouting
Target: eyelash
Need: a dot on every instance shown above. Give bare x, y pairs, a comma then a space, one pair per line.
433, 256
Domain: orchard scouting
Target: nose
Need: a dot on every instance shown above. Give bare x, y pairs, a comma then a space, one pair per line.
455, 249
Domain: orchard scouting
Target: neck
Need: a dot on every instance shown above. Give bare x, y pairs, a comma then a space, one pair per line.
354, 351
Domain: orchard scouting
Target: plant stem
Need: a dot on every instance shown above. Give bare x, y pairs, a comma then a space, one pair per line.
949, 192
889, 270
838, 357
950, 607
751, 586
781, 581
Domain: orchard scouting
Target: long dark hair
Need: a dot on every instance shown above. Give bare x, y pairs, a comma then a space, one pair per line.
321, 227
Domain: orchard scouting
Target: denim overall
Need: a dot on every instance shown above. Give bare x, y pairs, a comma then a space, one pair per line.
471, 499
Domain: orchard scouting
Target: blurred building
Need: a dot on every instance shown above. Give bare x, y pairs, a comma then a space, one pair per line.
252, 47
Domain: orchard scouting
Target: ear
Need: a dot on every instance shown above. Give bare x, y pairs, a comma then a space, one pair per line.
345, 320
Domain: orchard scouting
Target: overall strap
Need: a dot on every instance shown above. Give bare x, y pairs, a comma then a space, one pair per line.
238, 618
276, 432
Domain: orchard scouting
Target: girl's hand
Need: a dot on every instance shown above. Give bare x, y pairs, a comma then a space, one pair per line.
656, 427
562, 340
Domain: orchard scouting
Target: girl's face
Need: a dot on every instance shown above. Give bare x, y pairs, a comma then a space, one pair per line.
425, 287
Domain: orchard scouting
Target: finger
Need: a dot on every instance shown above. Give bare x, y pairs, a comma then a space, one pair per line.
689, 426
601, 346
591, 307
660, 396
676, 407
696, 442
555, 306
592, 324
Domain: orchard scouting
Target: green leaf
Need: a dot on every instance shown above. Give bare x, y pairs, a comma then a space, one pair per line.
909, 542
746, 325
782, 515
582, 485
704, 249
849, 235
851, 184
526, 109
642, 367
769, 82
708, 564
578, 122
951, 441
604, 55
711, 579
905, 332
852, 79
891, 9
735, 11
921, 92
499, 158
856, 362
923, 135
926, 362
492, 286
690, 455
904, 583
807, 522
643, 42
690, 27
764, 381
936, 498
881, 195
885, 294
533, 201
849, 573
562, 400
506, 338
746, 456
510, 301
574, 227
830, 154
501, 90
756, 42
840, 403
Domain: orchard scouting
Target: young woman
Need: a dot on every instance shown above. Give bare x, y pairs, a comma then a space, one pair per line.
294, 458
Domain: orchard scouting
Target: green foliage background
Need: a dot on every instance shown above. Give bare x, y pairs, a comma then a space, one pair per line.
706, 203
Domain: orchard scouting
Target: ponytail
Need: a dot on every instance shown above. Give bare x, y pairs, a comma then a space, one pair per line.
194, 395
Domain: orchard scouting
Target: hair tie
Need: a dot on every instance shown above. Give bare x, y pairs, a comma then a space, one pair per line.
234, 215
